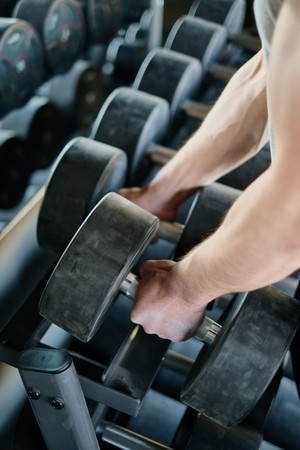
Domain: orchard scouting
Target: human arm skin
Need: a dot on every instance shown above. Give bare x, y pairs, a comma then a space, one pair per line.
259, 240
234, 131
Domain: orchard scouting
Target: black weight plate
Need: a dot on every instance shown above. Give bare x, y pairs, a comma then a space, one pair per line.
89, 274
198, 38
84, 172
60, 24
78, 93
103, 18
230, 376
131, 120
21, 63
170, 75
125, 58
205, 216
213, 436
230, 13
244, 175
14, 168
42, 125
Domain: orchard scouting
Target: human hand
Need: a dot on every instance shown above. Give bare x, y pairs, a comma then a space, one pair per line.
161, 305
156, 200
146, 198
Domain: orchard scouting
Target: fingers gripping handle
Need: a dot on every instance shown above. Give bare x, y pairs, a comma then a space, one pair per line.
208, 330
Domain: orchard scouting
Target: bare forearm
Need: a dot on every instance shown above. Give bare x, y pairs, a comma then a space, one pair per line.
258, 243
234, 130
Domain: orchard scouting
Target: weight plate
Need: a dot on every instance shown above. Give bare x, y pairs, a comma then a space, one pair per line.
214, 436
93, 266
84, 172
103, 18
42, 125
208, 39
244, 175
230, 13
21, 63
170, 75
60, 24
125, 58
14, 168
205, 216
131, 120
78, 93
230, 376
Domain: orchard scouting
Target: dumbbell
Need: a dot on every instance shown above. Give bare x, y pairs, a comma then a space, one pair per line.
245, 351
21, 63
78, 93
125, 53
42, 125
14, 168
60, 25
173, 73
231, 14
203, 40
102, 19
83, 173
176, 78
132, 120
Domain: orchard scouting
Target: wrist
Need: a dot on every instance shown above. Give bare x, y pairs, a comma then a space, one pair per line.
197, 287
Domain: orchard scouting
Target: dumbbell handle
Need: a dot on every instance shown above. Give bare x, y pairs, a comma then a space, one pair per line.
207, 331
170, 231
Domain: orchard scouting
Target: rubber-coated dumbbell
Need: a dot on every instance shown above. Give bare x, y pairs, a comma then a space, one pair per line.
132, 120
176, 78
42, 125
78, 93
83, 173
21, 63
204, 40
60, 25
231, 14
245, 351
174, 74
14, 168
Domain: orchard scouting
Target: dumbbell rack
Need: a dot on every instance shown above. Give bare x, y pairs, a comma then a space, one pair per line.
60, 372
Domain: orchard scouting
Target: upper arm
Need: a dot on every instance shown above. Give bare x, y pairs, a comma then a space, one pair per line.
284, 76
